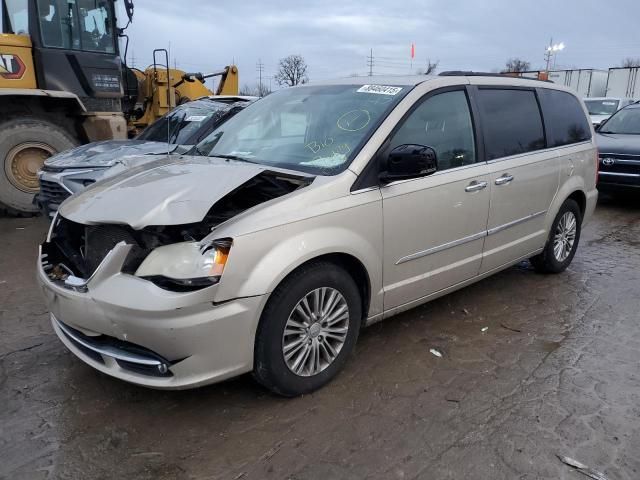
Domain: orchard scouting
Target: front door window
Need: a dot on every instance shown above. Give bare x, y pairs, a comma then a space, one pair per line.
442, 122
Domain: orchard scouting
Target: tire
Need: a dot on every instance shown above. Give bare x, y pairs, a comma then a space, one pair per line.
553, 259
276, 373
24, 145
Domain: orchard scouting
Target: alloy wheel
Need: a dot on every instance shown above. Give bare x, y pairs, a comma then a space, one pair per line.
565, 236
315, 332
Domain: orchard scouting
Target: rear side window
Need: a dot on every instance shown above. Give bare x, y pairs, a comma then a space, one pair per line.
511, 122
564, 117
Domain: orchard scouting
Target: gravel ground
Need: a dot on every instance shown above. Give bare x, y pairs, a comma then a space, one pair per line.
555, 373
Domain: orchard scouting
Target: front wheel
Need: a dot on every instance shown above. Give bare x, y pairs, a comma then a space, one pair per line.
307, 330
562, 242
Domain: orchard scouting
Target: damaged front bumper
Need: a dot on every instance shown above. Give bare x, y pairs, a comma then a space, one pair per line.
131, 329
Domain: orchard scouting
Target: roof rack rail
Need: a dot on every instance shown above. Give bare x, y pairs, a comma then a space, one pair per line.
469, 73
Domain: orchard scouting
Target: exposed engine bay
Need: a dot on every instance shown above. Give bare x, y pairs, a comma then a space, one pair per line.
76, 250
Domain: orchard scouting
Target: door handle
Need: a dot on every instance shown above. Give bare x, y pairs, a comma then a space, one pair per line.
475, 186
504, 179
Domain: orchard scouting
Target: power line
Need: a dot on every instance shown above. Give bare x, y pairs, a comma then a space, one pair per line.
269, 77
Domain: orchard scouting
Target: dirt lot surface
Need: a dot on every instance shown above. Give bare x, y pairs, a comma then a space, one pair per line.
557, 372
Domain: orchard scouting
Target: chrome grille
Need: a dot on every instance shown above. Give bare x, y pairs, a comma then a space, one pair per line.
620, 163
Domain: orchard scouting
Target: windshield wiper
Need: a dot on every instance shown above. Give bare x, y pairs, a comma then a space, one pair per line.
231, 157
195, 151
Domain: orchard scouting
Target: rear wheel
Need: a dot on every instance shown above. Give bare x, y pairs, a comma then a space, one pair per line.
562, 242
25, 143
307, 330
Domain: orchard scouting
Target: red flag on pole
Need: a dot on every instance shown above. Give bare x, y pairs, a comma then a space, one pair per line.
413, 51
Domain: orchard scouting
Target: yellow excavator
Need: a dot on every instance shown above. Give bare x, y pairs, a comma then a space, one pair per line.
63, 83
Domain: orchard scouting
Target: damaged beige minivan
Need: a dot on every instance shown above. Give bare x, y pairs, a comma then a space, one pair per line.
314, 212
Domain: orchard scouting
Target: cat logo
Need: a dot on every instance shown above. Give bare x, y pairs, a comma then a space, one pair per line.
11, 67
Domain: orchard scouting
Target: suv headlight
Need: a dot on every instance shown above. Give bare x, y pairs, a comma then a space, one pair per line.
186, 266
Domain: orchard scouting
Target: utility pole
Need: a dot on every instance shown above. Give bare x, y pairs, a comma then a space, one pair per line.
370, 63
260, 68
548, 53
553, 50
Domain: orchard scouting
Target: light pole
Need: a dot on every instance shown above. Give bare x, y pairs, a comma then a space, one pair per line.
553, 50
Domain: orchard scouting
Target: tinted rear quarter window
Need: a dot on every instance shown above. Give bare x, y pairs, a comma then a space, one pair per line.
511, 122
564, 117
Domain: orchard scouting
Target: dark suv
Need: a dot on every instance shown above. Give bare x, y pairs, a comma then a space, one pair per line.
618, 142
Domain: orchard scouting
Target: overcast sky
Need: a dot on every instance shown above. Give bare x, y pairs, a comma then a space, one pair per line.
335, 37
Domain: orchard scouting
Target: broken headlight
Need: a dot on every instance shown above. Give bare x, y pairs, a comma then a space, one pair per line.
186, 266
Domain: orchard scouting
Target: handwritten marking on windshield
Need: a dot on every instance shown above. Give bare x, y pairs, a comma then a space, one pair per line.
342, 149
320, 148
316, 146
354, 120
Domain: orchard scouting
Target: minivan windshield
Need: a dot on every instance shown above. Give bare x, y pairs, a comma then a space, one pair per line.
626, 121
602, 107
316, 129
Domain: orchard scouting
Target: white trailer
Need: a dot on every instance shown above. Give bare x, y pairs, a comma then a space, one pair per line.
624, 82
587, 82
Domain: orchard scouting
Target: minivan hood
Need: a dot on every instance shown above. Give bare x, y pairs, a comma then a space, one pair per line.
618, 143
106, 153
170, 191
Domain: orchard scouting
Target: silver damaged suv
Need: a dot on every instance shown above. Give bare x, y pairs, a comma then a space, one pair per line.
310, 214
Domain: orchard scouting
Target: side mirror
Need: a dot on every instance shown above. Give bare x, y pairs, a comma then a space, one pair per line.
409, 161
128, 6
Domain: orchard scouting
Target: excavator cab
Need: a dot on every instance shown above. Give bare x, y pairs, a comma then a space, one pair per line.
74, 48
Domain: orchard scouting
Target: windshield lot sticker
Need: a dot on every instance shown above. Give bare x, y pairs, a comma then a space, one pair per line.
196, 118
379, 89
609, 103
354, 120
